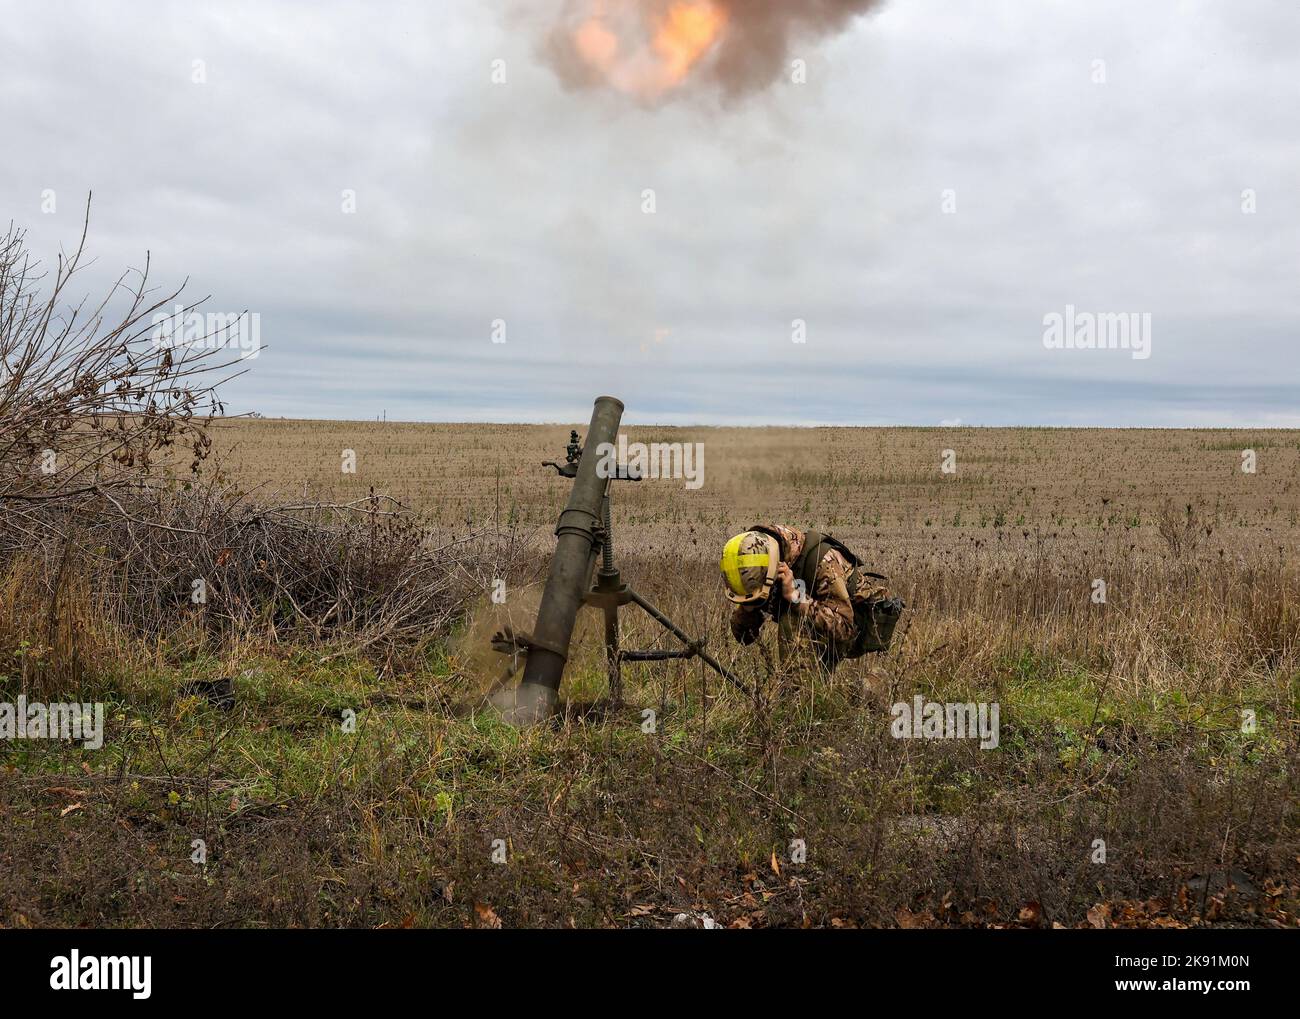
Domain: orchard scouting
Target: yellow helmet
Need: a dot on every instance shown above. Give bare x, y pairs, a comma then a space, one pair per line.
749, 563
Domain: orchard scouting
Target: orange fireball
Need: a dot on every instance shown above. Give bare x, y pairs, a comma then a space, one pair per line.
647, 49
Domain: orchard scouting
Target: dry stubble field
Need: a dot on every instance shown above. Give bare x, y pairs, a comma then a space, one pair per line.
1145, 772
1007, 547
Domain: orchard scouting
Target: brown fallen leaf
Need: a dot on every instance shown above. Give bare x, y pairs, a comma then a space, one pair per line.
908, 920
487, 915
69, 809
776, 867
1031, 913
1099, 916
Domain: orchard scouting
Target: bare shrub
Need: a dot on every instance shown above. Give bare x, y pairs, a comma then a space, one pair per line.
364, 575
89, 400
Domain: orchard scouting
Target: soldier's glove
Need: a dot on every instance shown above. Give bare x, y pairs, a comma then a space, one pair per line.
892, 608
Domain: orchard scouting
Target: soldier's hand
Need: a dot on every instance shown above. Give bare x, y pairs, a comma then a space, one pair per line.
785, 578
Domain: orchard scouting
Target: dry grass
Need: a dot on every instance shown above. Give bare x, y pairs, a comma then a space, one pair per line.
1120, 721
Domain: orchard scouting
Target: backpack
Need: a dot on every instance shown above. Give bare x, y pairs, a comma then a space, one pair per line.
875, 608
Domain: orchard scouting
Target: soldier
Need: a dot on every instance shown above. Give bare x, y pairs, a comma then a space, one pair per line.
811, 585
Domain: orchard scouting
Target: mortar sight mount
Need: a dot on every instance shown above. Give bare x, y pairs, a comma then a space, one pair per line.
585, 538
572, 454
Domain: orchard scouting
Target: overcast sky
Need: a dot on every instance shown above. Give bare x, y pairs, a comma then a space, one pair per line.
823, 202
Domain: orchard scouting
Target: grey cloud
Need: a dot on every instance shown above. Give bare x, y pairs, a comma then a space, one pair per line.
819, 202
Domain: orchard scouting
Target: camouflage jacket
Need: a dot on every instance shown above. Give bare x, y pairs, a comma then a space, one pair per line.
826, 617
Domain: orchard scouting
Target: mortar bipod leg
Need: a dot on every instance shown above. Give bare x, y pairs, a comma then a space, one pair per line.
677, 632
612, 656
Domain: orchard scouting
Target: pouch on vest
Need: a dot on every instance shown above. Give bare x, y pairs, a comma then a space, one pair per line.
875, 612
